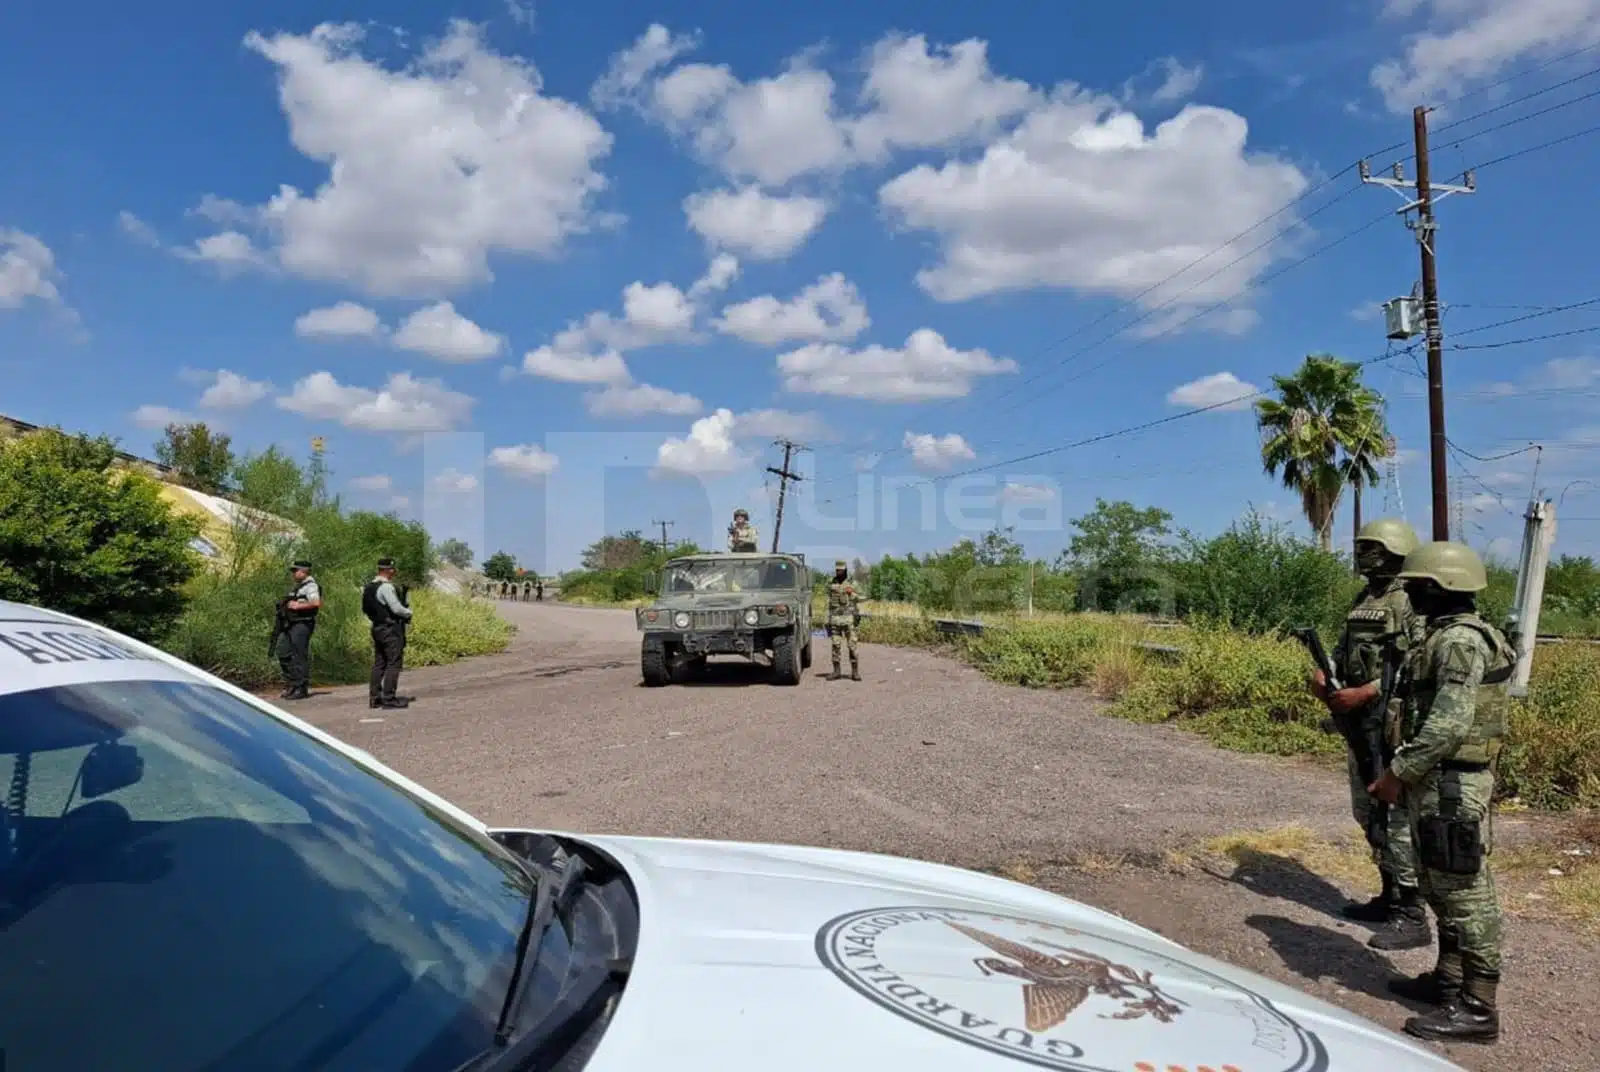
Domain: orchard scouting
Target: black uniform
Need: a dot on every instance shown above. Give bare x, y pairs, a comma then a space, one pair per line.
388, 639
294, 643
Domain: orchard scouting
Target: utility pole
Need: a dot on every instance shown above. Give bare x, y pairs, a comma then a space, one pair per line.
664, 526
1426, 195
784, 475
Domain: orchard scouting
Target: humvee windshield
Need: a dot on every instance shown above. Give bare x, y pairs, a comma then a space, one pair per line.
728, 575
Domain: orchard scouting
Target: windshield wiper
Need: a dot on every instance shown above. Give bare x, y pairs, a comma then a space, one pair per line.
551, 900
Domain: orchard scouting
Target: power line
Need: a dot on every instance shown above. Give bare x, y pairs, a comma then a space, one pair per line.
1523, 341
1549, 310
1534, 148
1525, 118
1493, 457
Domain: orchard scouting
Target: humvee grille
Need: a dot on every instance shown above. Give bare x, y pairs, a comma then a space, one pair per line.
715, 619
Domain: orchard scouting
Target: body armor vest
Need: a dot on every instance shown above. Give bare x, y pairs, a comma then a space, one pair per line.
1490, 708
300, 615
1370, 625
841, 602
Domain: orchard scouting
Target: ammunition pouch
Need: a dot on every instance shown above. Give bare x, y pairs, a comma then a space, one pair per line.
1446, 842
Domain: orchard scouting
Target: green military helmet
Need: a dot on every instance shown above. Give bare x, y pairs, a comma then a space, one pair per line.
1390, 533
742, 512
840, 564
1455, 567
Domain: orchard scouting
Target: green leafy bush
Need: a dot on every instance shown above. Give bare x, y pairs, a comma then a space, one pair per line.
1552, 758
81, 537
1052, 654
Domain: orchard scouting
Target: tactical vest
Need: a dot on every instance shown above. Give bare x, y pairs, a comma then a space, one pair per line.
1490, 708
1371, 623
841, 603
300, 615
375, 609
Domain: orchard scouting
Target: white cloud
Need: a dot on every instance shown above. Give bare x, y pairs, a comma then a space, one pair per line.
1080, 196
1571, 372
520, 12
345, 320
27, 270
138, 230
708, 449
1221, 389
655, 48
228, 251
640, 399
431, 168
925, 368
720, 274
1467, 42
455, 482
575, 368
158, 416
375, 482
1367, 312
229, 390
439, 331
529, 461
1022, 492
758, 225
1178, 81
933, 452
404, 404
829, 310
779, 424
917, 98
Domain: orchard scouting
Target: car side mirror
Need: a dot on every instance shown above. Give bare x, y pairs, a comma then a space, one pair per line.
110, 766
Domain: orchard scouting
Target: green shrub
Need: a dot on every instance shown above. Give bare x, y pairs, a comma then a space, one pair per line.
449, 628
1051, 654
897, 630
83, 538
1552, 757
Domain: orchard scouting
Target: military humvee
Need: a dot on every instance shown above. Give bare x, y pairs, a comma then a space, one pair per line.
732, 603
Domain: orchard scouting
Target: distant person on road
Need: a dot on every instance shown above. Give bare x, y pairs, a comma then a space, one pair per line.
844, 614
538, 590
293, 646
741, 534
1454, 729
386, 607
1380, 621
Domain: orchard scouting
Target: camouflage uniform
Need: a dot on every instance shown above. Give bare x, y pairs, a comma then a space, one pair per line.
741, 534
844, 609
1454, 729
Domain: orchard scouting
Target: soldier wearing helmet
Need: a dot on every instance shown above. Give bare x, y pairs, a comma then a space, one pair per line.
1454, 726
1379, 626
741, 534
844, 615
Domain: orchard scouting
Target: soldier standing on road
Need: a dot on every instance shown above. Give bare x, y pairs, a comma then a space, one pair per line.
1382, 616
1454, 727
538, 590
741, 534
844, 614
389, 615
300, 621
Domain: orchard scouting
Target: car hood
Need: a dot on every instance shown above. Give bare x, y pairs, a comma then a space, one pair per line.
788, 958
725, 601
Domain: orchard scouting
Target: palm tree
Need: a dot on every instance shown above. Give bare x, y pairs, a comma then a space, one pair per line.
1323, 431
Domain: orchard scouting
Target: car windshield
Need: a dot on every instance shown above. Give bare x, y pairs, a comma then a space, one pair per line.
729, 575
187, 883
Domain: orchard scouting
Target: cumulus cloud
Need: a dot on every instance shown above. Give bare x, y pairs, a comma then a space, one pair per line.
432, 167
640, 399
138, 230
780, 424
708, 449
455, 482
229, 390
403, 404
1021, 492
925, 368
1464, 43
439, 331
159, 416
576, 368
1165, 81
626, 73
933, 452
752, 223
1223, 390
28, 271
527, 461
229, 252
829, 310
344, 320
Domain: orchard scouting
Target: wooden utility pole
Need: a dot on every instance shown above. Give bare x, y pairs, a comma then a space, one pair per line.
784, 475
664, 525
1426, 195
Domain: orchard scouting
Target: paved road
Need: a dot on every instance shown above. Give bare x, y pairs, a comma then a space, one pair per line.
926, 758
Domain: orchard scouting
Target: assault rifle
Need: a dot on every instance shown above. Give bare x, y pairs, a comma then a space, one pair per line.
1362, 730
280, 624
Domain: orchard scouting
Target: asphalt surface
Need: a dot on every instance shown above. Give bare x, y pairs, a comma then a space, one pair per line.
926, 758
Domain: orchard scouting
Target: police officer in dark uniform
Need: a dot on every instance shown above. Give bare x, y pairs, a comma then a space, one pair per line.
386, 608
300, 621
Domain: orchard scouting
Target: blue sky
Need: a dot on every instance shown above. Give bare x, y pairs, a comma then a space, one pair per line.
538, 272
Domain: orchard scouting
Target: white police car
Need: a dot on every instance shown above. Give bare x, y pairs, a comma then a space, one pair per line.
191, 879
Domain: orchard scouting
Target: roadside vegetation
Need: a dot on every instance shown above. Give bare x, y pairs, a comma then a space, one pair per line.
85, 535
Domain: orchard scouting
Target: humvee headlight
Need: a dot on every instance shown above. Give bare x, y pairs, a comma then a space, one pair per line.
751, 617
681, 620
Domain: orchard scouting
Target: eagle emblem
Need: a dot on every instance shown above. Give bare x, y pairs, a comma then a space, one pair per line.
1056, 984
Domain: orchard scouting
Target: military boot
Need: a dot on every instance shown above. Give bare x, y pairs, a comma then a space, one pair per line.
1407, 926
1376, 910
836, 675
1471, 1017
1429, 988
855, 672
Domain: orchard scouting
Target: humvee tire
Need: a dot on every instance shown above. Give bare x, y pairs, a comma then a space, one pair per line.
654, 665
786, 659
805, 654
